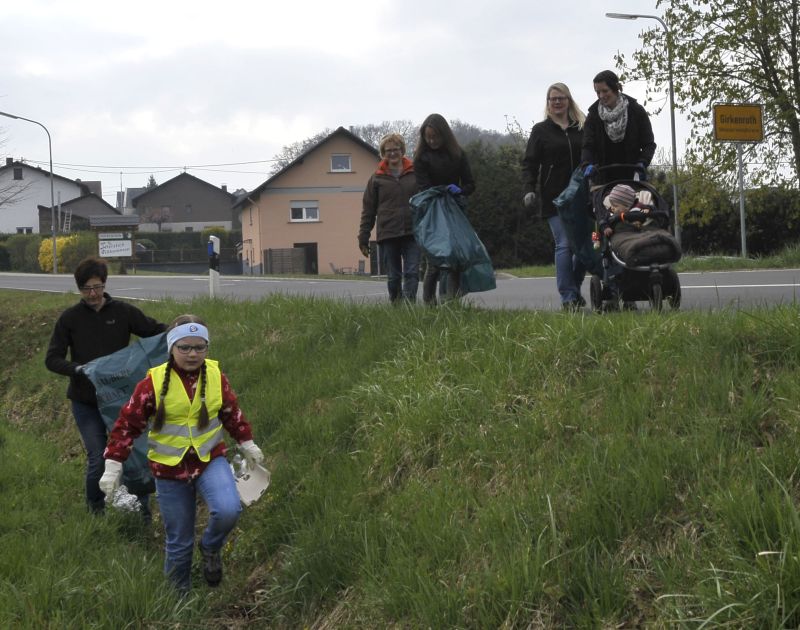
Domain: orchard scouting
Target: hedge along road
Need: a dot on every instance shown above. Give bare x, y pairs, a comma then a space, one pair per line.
703, 290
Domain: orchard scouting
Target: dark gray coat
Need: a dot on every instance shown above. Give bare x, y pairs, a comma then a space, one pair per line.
385, 201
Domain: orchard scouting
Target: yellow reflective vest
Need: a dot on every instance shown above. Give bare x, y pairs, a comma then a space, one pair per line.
180, 431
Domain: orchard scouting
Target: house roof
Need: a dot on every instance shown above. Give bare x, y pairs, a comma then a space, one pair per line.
341, 131
79, 200
138, 198
132, 193
43, 173
115, 220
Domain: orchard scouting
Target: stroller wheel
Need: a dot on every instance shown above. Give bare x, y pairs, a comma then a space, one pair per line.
656, 297
596, 294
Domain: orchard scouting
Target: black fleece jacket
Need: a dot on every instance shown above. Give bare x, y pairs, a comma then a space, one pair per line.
88, 334
551, 155
438, 168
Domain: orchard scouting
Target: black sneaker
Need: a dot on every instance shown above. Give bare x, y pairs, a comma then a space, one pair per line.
212, 565
580, 301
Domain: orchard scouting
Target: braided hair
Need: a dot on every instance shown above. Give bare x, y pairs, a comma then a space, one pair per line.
158, 420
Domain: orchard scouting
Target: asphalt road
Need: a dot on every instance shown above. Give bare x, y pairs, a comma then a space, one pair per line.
704, 291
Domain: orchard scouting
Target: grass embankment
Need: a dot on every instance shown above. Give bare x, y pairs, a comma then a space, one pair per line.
441, 468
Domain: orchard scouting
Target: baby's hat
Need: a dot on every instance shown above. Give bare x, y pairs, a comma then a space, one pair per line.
623, 195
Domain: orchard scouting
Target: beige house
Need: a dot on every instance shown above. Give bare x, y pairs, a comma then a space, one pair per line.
305, 218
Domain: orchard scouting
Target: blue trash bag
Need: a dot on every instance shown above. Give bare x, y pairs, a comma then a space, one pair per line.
115, 377
573, 207
445, 234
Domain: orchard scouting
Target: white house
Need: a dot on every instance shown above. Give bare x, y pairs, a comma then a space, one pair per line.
23, 188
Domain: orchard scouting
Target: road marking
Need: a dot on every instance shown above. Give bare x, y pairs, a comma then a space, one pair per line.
738, 286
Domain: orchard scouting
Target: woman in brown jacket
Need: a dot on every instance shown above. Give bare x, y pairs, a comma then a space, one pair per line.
386, 202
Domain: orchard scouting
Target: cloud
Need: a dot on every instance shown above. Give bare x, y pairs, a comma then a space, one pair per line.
174, 83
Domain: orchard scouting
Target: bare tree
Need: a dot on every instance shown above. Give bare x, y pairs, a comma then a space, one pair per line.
291, 152
156, 215
370, 133
13, 191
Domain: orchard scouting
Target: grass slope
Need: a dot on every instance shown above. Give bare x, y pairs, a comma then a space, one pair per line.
441, 468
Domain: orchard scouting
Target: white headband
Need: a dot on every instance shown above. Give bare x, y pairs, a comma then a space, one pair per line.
186, 330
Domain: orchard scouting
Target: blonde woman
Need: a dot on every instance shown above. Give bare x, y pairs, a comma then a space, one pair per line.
552, 154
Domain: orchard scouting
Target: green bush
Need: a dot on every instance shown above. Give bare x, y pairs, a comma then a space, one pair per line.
82, 244
188, 246
5, 258
23, 251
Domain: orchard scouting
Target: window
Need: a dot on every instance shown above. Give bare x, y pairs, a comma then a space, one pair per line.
188, 208
304, 211
188, 229
24, 230
340, 163
17, 172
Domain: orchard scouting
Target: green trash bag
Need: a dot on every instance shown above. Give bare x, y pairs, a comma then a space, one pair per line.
573, 207
115, 377
445, 234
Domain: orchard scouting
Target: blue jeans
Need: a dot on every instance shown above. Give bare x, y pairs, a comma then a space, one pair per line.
93, 433
401, 255
94, 436
177, 501
569, 270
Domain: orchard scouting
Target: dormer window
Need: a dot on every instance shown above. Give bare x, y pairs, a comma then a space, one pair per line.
340, 163
17, 172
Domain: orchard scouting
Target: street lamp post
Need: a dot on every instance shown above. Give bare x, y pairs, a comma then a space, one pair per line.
636, 16
52, 197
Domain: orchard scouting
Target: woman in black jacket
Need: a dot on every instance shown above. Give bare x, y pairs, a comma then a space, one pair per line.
440, 161
553, 152
617, 131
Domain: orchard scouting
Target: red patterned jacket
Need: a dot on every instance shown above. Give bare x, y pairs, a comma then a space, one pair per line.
133, 417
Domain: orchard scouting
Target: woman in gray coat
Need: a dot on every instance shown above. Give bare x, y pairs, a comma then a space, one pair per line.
385, 202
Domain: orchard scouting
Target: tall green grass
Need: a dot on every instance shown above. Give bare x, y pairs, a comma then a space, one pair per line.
443, 467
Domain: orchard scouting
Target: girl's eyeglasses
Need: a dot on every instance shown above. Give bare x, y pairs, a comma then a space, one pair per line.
187, 348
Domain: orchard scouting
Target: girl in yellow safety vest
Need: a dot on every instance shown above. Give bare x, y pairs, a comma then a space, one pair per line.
189, 401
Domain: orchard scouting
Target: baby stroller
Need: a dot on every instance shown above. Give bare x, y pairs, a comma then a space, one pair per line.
637, 258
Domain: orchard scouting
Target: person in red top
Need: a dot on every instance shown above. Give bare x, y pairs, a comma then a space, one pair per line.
189, 401
386, 201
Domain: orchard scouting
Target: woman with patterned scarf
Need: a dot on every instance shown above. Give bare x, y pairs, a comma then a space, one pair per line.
617, 131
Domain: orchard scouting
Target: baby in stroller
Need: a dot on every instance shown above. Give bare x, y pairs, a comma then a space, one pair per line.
627, 208
637, 249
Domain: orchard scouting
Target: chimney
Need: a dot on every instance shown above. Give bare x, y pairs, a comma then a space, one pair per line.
224, 187
9, 161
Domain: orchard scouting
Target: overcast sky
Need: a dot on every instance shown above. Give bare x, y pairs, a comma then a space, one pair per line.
130, 89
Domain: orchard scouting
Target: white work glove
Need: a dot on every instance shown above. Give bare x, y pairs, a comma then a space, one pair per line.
111, 477
529, 199
252, 454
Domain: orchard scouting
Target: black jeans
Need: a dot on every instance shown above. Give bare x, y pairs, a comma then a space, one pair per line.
449, 284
